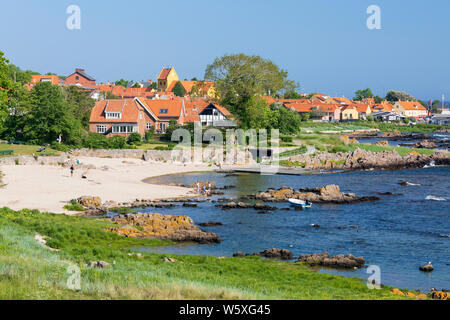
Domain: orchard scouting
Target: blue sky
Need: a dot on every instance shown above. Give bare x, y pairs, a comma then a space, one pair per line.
324, 44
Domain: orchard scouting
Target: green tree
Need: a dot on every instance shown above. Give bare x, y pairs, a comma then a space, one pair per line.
393, 96
363, 94
239, 77
178, 89
292, 94
6, 87
15, 74
122, 82
51, 116
80, 102
110, 95
260, 114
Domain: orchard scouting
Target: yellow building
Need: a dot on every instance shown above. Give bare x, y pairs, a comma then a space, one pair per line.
410, 109
166, 77
349, 113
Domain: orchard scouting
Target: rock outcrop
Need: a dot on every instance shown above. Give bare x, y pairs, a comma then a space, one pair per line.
361, 159
425, 144
339, 261
274, 253
326, 194
158, 226
283, 254
90, 202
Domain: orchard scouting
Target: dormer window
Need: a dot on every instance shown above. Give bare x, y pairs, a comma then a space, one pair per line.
163, 111
113, 115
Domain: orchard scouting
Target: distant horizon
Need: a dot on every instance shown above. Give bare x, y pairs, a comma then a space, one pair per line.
325, 46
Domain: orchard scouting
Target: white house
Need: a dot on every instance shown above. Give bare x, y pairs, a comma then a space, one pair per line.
213, 115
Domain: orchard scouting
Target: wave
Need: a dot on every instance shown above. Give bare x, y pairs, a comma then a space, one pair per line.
434, 198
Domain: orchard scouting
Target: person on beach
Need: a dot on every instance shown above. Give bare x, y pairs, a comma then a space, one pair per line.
71, 170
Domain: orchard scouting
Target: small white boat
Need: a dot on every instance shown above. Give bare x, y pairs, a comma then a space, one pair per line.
300, 203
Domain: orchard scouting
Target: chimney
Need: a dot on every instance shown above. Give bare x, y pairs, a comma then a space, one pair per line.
79, 70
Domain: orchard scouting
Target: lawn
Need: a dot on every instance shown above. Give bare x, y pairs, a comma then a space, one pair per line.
27, 150
29, 270
318, 127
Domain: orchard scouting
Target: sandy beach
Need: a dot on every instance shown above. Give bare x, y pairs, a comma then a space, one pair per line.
49, 188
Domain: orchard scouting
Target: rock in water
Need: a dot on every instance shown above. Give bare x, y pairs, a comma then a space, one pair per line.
283, 254
326, 194
339, 261
426, 268
158, 226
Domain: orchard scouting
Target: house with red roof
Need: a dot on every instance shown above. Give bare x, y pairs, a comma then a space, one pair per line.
35, 79
81, 78
410, 109
125, 116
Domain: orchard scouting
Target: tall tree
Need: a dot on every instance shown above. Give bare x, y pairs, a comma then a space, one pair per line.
5, 88
178, 89
80, 103
363, 94
51, 116
393, 95
239, 77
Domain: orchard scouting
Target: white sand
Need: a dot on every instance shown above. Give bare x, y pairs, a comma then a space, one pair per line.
49, 188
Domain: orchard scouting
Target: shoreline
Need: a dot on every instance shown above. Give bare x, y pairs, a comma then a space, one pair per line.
48, 188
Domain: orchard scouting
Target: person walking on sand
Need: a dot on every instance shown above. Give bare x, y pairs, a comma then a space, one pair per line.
71, 170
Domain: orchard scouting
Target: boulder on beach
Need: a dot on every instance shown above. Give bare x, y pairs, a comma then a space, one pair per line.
339, 261
90, 202
164, 227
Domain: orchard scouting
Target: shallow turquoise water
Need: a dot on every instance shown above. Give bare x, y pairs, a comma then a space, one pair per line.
397, 233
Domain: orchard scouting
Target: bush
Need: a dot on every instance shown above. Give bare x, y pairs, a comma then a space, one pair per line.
117, 142
135, 138
286, 138
148, 135
95, 141
60, 147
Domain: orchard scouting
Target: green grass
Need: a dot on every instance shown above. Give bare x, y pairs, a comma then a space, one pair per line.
74, 206
294, 152
402, 151
317, 127
27, 150
122, 210
28, 270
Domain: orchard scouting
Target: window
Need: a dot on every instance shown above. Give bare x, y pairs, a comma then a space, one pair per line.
162, 127
149, 126
123, 129
113, 115
77, 78
163, 111
101, 128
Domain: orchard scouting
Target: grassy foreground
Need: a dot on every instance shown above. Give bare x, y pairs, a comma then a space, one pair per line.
31, 270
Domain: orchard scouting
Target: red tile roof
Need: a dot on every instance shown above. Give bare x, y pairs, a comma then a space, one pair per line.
128, 107
173, 107
412, 105
164, 73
